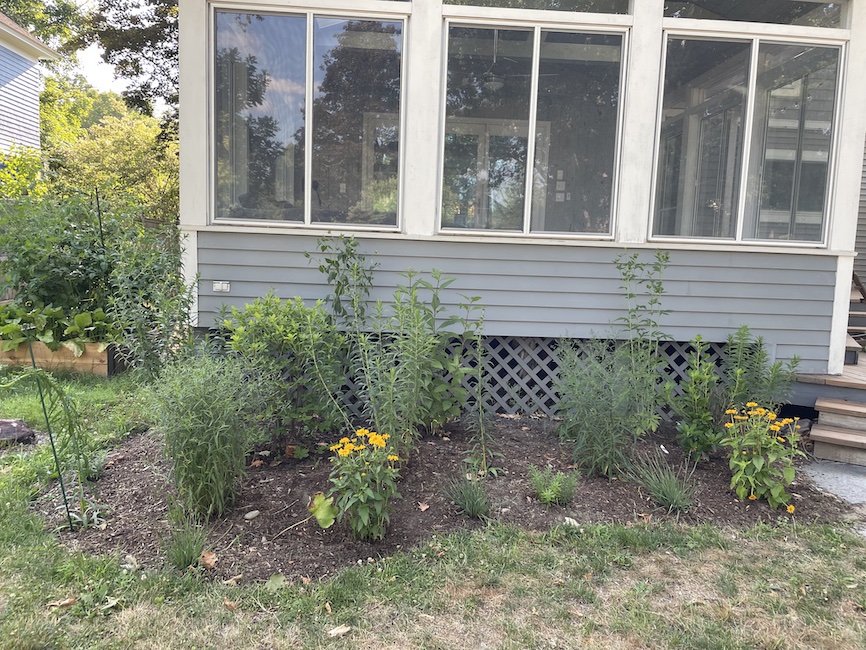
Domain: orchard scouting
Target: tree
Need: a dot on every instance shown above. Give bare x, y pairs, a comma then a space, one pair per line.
139, 37
56, 22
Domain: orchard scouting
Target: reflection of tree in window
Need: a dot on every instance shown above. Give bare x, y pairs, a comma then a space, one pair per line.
358, 76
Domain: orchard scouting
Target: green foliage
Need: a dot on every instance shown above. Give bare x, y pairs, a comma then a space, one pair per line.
150, 302
671, 487
204, 406
295, 353
186, 541
364, 481
56, 22
469, 496
697, 430
750, 377
51, 326
350, 276
21, 173
761, 452
609, 391
552, 488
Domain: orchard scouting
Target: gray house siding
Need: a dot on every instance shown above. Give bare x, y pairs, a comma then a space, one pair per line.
554, 290
19, 101
860, 260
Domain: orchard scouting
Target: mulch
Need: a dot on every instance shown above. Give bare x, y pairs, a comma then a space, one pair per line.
134, 492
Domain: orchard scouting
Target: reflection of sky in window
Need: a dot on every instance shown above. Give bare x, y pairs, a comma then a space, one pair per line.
325, 38
278, 44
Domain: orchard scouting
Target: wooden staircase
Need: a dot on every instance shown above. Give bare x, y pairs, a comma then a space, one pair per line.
840, 432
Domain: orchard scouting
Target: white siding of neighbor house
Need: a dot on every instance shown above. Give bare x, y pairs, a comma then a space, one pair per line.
19, 101
549, 290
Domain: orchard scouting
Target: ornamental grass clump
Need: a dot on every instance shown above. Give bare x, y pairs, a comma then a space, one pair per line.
762, 448
365, 480
670, 486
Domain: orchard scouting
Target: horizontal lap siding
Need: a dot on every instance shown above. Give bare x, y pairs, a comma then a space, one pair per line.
568, 290
19, 101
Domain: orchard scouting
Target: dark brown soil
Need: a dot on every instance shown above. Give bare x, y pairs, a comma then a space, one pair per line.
133, 493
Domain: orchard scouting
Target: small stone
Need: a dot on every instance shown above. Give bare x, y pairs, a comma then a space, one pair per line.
252, 514
15, 431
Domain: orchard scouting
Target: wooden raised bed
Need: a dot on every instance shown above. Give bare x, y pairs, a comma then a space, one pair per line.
90, 361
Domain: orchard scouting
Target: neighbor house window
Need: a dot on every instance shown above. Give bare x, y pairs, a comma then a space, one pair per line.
530, 101
710, 88
264, 169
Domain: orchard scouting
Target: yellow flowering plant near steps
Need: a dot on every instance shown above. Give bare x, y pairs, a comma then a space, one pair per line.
761, 451
364, 479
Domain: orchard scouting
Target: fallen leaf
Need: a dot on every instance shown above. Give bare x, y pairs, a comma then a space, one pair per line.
290, 451
276, 463
207, 560
423, 506
233, 581
68, 602
338, 631
646, 517
257, 463
109, 604
427, 617
230, 605
524, 428
328, 608
305, 580
323, 509
275, 582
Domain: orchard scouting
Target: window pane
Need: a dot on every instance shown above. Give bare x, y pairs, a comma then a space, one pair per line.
793, 128
356, 117
578, 96
259, 115
594, 6
783, 12
701, 139
486, 128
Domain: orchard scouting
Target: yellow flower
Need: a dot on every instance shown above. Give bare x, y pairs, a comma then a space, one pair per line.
740, 417
731, 412
791, 509
752, 497
334, 447
376, 440
393, 458
744, 453
362, 432
780, 439
775, 427
771, 415
345, 451
728, 425
343, 441
751, 404
385, 436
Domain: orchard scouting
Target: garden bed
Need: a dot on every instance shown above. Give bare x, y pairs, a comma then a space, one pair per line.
134, 494
93, 360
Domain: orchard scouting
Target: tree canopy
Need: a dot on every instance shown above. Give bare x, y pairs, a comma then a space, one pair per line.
55, 22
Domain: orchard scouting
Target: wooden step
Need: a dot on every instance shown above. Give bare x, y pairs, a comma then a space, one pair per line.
852, 351
840, 413
838, 436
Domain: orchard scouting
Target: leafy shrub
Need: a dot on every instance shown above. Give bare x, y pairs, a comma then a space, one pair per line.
203, 407
609, 391
671, 487
552, 489
295, 352
469, 496
761, 452
365, 481
750, 377
51, 326
697, 430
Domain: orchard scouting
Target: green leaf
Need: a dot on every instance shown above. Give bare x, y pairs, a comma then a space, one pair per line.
323, 510
364, 514
788, 474
275, 582
83, 320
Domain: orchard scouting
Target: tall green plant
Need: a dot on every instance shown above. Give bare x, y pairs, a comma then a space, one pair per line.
609, 390
749, 376
204, 407
692, 402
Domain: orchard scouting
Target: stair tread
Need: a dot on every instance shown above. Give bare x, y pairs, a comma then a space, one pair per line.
838, 436
851, 344
840, 406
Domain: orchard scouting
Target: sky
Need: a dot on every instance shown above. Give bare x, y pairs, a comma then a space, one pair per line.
99, 74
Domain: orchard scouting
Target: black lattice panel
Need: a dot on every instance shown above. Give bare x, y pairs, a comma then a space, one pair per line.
519, 373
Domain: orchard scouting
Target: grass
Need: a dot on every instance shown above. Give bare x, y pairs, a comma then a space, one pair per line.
596, 586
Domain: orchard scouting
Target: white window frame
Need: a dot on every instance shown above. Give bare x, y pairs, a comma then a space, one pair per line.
756, 34
361, 9
537, 21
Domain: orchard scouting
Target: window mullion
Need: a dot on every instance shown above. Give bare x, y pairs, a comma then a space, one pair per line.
530, 131
748, 120
308, 126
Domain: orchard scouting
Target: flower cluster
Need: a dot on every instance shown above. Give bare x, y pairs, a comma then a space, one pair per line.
762, 447
364, 479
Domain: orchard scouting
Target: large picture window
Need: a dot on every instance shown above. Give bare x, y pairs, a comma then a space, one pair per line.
709, 88
512, 107
350, 174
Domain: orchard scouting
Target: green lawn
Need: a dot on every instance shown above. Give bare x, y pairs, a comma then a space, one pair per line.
602, 586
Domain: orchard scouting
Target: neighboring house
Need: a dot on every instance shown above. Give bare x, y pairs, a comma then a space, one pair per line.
20, 84
522, 149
